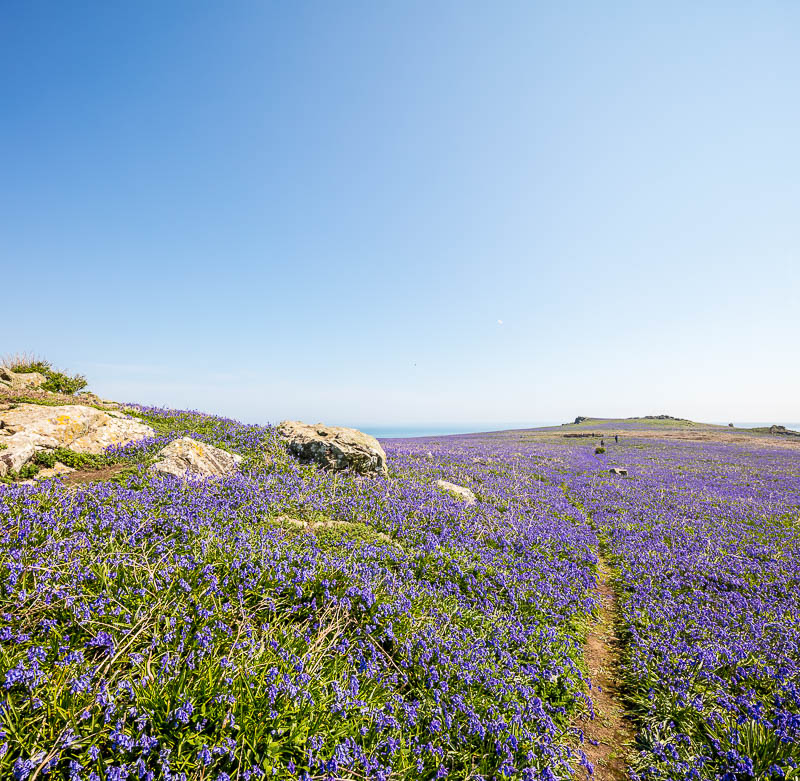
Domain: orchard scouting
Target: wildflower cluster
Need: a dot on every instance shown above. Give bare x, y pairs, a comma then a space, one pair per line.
294, 623
706, 539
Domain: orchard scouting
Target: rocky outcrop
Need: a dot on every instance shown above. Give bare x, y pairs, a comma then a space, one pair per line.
787, 432
74, 426
333, 447
193, 460
31, 427
20, 380
457, 490
579, 419
619, 471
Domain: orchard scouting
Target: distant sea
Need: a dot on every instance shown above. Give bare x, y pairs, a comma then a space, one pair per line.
442, 429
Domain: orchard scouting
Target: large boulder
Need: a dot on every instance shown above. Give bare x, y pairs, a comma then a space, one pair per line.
459, 491
20, 380
333, 447
193, 460
79, 428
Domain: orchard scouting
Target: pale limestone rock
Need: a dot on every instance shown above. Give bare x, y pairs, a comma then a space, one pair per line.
74, 426
186, 457
457, 490
56, 470
619, 471
333, 447
20, 380
19, 449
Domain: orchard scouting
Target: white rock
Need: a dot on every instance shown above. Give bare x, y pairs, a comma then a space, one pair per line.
20, 380
186, 457
457, 490
18, 451
74, 426
56, 470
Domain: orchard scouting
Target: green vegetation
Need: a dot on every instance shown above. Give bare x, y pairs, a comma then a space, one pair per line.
56, 381
71, 459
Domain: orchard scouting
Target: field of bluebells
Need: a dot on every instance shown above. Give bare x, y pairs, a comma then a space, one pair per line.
706, 539
154, 629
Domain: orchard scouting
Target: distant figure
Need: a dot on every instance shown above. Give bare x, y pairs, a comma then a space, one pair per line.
602, 443
616, 438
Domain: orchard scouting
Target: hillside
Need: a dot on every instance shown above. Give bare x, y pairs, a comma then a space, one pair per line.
284, 620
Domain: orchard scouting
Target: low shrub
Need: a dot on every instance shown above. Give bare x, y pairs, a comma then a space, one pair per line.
70, 458
56, 381
27, 471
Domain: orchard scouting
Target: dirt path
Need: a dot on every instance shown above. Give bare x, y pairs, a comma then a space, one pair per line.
612, 733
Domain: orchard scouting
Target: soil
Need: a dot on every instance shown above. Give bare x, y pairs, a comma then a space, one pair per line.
91, 475
609, 736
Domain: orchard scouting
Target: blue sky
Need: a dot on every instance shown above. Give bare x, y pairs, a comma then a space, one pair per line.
399, 213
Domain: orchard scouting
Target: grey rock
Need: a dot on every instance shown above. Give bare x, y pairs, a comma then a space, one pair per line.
784, 431
333, 447
619, 471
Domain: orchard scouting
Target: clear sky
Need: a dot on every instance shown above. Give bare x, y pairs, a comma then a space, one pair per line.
401, 212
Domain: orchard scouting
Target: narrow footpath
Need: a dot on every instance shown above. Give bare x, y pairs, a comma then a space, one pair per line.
609, 736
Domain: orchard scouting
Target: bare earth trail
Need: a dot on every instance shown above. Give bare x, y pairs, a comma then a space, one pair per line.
609, 736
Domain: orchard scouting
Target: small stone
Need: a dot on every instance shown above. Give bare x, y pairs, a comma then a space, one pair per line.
55, 471
458, 491
193, 460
